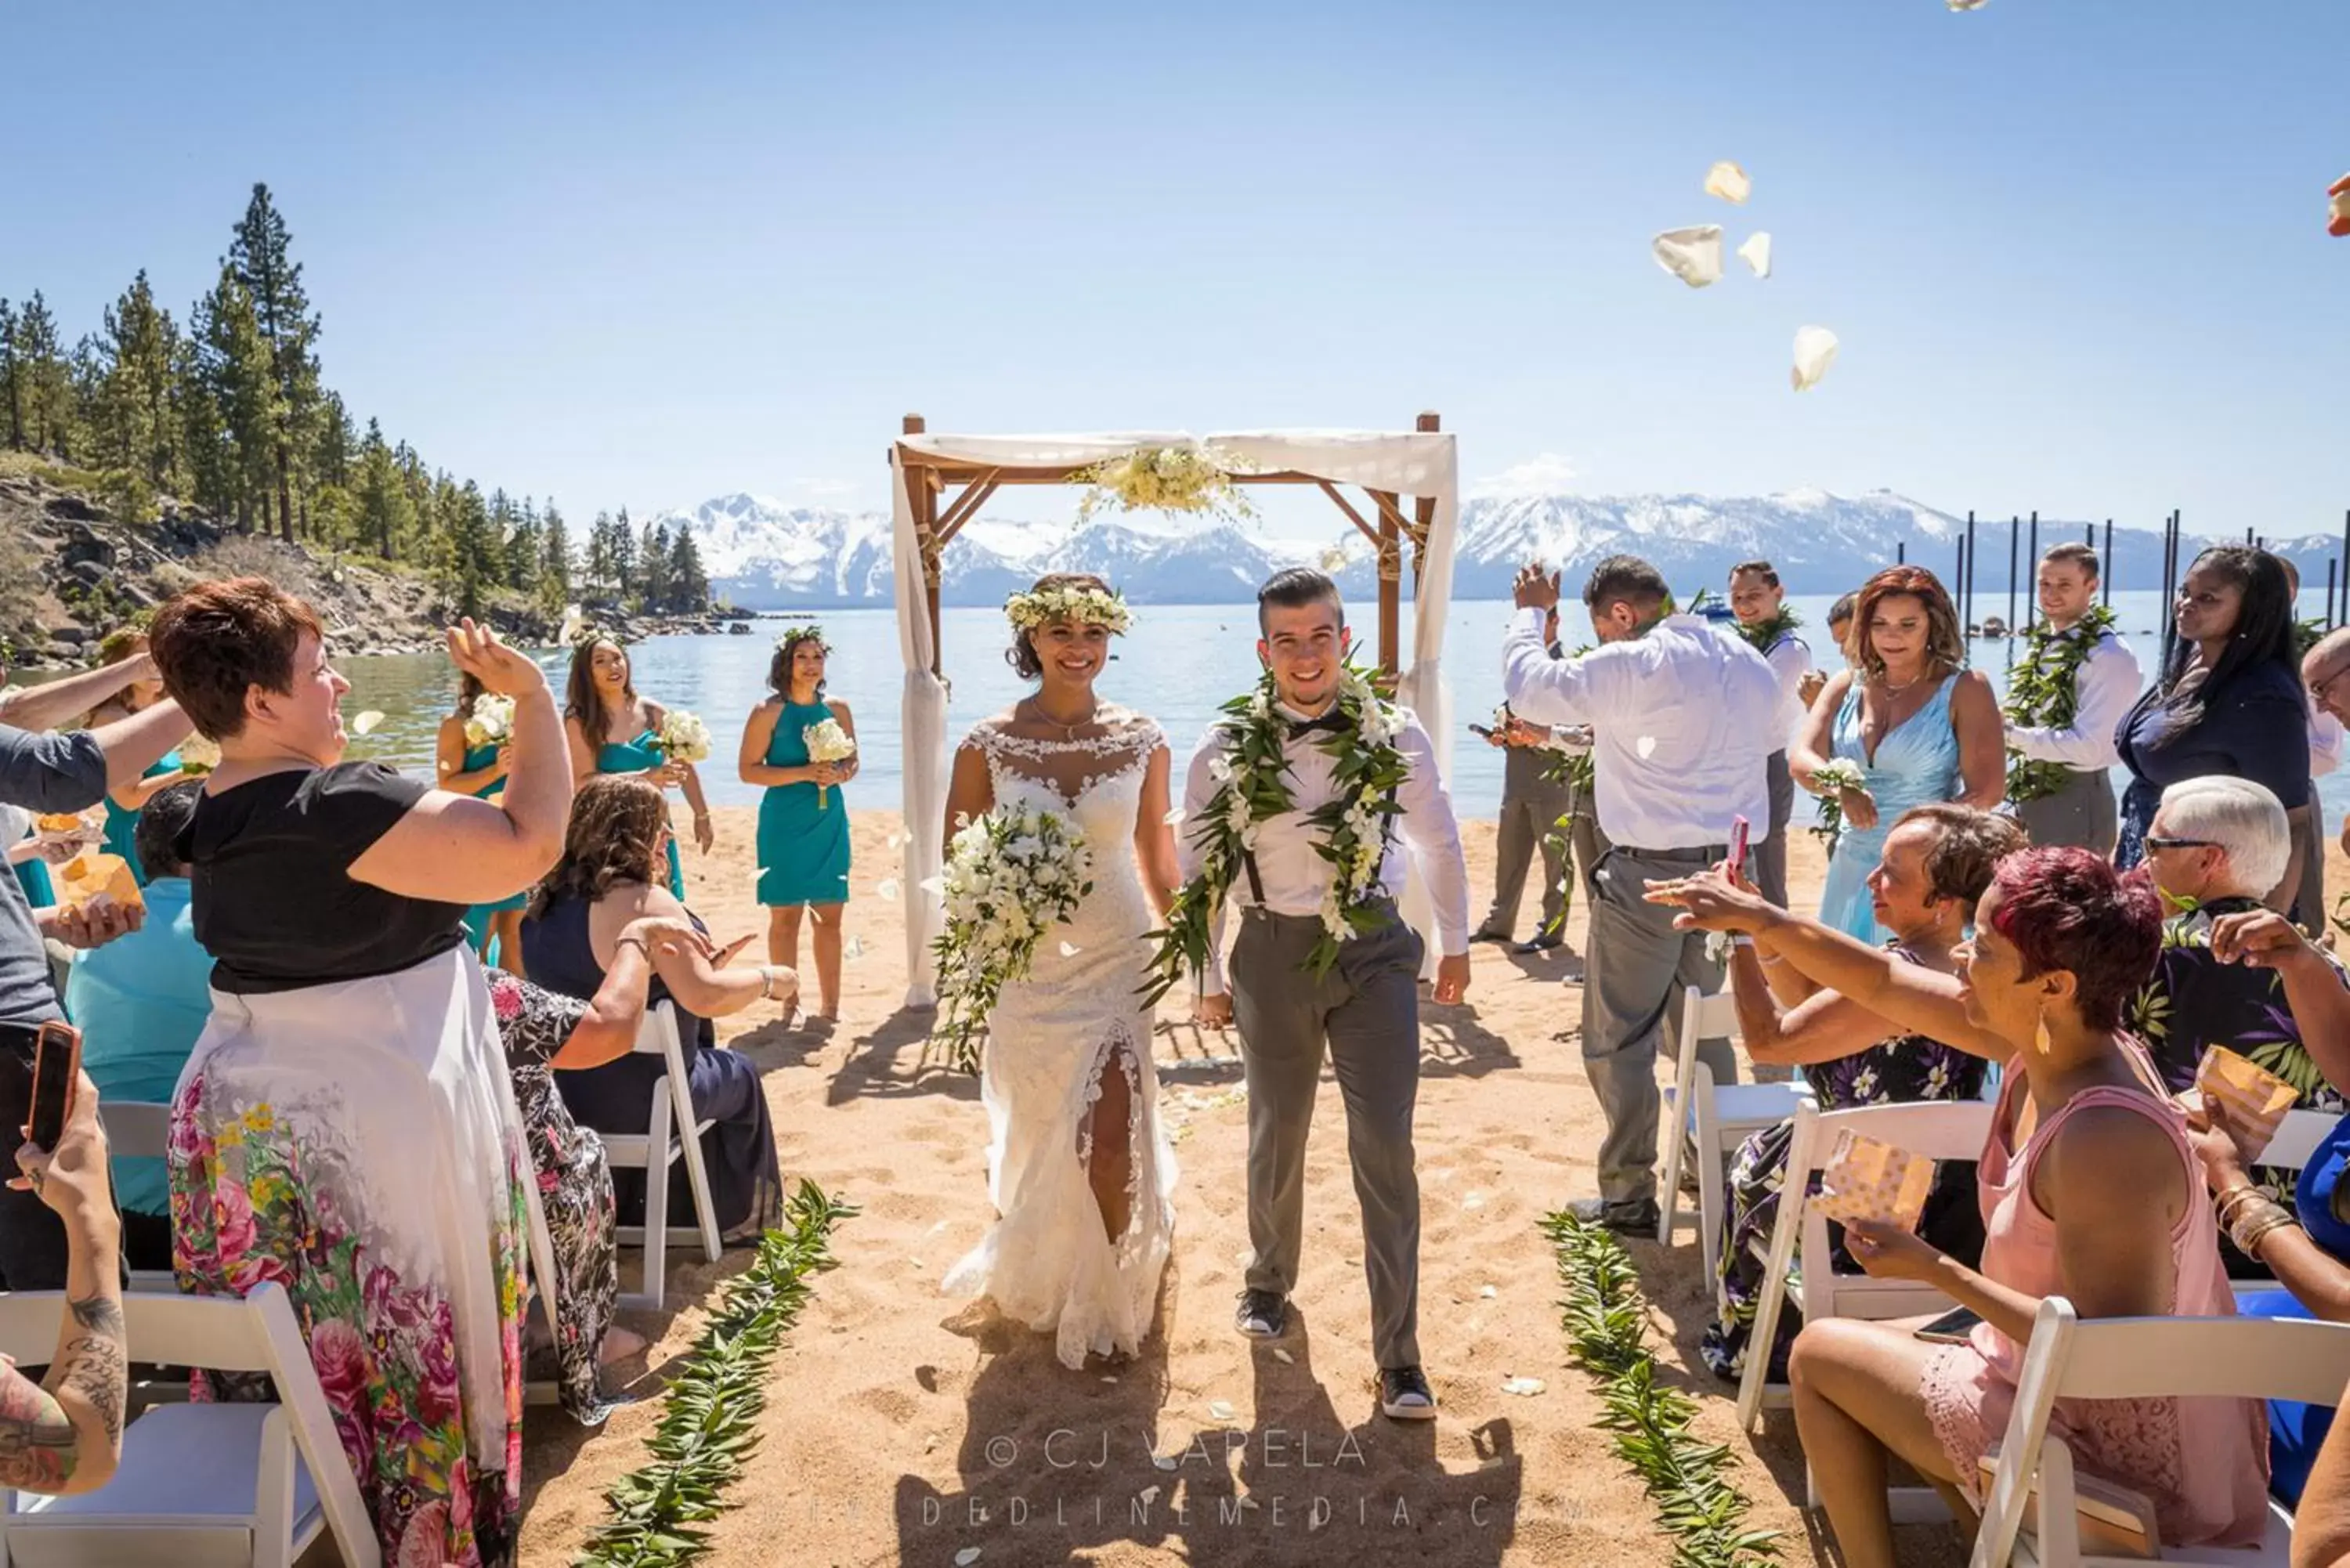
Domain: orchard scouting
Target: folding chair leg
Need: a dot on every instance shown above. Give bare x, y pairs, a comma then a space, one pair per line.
273, 1501
1708, 1186
697, 1176
657, 1200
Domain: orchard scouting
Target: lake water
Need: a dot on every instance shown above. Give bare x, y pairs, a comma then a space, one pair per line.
1178, 663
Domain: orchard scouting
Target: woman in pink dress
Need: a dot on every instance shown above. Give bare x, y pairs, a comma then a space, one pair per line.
2089, 1190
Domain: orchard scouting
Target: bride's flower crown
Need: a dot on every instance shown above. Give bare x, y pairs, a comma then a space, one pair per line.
1078, 603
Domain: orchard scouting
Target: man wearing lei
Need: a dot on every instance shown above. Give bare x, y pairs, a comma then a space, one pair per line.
2073, 687
1769, 627
1293, 809
1677, 758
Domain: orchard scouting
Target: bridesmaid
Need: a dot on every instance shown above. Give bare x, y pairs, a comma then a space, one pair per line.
612, 730
123, 805
481, 771
802, 846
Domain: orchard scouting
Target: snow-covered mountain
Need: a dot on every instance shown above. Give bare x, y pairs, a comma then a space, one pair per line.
762, 554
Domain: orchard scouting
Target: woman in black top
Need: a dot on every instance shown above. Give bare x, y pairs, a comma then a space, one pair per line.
2229, 701
345, 1127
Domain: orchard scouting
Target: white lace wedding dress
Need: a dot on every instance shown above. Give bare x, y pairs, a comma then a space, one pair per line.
1047, 1261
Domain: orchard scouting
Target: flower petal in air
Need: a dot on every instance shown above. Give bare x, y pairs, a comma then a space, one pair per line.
1815, 350
1964, 5
1728, 182
887, 890
933, 886
2339, 212
1692, 255
1174, 816
1756, 253
1528, 1387
364, 722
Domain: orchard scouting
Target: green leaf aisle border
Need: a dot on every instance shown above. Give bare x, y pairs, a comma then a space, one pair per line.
1606, 1325
707, 1427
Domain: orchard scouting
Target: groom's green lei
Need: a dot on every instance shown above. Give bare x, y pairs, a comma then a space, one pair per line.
1354, 823
2044, 690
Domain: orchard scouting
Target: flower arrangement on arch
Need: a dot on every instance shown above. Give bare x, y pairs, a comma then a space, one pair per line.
1010, 875
1194, 479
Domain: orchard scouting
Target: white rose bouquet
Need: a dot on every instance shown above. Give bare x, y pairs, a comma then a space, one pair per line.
490, 722
683, 737
198, 756
1829, 781
827, 741
1010, 876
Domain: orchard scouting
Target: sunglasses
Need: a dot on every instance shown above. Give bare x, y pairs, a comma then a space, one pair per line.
2154, 841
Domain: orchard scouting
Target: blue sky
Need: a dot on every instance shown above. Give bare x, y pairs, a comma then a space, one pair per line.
647, 255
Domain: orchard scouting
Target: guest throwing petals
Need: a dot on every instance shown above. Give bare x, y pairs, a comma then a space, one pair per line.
480, 771
614, 731
803, 817
1917, 725
346, 1125
123, 805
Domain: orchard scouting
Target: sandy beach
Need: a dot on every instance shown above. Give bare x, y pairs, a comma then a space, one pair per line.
903, 1426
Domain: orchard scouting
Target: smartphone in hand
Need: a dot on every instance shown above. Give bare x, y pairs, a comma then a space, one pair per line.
1739, 830
56, 1068
1952, 1328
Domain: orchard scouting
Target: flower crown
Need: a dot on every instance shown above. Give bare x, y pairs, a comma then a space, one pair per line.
806, 631
1075, 602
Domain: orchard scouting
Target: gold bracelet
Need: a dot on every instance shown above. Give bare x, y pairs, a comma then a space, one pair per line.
626, 940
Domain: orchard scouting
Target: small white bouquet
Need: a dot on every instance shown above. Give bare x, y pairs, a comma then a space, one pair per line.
1010, 876
683, 737
199, 756
827, 741
490, 722
1829, 781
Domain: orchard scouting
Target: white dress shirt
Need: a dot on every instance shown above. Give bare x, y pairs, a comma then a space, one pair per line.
1292, 868
2106, 687
1683, 717
1790, 658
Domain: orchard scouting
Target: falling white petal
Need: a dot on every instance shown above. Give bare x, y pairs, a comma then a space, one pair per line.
1488, 1293
1334, 560
1815, 350
363, 722
1646, 746
1174, 816
1756, 253
1728, 182
887, 890
933, 886
1109, 1379
1220, 1409
966, 1557
1070, 950
1692, 255
1525, 1385
1964, 5
854, 949
1164, 1461
1475, 1200
1149, 1494
1283, 1356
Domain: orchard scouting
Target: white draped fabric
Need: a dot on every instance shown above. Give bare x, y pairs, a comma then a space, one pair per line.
1424, 464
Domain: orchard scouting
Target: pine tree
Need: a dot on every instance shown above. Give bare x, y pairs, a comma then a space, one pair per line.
46, 381
262, 254
236, 380
599, 563
688, 583
135, 422
555, 569
652, 567
12, 385
386, 515
624, 558
522, 553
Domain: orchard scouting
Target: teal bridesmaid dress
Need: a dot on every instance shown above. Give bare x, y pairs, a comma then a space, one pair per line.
634, 757
477, 919
803, 848
122, 826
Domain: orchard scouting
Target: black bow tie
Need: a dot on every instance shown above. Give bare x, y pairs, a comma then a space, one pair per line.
1334, 722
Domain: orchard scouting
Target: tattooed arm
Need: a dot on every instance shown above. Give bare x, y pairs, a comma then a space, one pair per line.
64, 1434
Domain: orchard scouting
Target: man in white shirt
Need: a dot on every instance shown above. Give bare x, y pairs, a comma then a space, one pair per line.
1365, 1009
1535, 798
2308, 908
2081, 813
2327, 670
1760, 606
1683, 716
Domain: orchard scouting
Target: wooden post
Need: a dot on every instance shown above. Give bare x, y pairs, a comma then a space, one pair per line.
1423, 513
2105, 563
1901, 551
2014, 537
1966, 605
2032, 599
924, 502
2330, 565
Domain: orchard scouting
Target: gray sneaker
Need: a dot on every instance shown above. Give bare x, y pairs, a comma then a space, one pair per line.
1263, 1314
1637, 1218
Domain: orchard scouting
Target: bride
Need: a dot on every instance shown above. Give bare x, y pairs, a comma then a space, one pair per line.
1082, 1178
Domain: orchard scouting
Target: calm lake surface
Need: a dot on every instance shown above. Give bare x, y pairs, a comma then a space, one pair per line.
1178, 663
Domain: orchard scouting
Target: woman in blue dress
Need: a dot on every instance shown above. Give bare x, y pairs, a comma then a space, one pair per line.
803, 817
1919, 725
123, 805
481, 771
614, 731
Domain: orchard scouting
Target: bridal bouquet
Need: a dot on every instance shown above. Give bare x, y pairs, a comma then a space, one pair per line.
683, 737
1010, 876
1829, 781
198, 756
490, 722
827, 741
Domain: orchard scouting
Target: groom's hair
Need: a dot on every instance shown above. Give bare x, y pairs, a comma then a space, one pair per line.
1293, 588
1624, 579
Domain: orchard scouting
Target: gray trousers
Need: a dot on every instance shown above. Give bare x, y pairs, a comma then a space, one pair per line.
1770, 851
2081, 815
1636, 970
1366, 1012
1531, 807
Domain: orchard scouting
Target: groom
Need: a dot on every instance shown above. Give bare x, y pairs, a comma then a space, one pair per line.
1365, 1009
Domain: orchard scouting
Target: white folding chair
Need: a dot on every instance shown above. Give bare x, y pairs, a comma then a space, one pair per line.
1937, 1129
139, 1129
199, 1485
2135, 1358
548, 1285
674, 1133
1717, 1117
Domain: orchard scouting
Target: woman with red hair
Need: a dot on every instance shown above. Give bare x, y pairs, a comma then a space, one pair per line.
1919, 726
2089, 1190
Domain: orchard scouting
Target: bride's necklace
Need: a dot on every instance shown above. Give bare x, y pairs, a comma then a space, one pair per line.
1069, 731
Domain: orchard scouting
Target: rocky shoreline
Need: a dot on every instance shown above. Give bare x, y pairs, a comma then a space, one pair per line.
70, 573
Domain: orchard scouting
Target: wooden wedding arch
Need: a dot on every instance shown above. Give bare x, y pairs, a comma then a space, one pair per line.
938, 482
